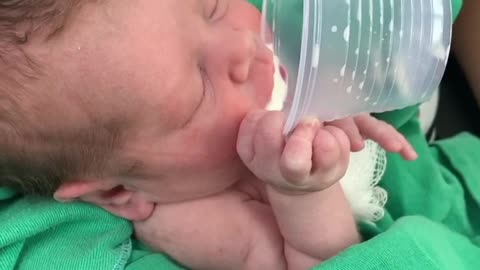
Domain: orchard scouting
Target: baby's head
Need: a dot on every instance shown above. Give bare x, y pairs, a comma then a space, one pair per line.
124, 103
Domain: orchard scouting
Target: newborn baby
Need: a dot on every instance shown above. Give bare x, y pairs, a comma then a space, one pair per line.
288, 210
154, 110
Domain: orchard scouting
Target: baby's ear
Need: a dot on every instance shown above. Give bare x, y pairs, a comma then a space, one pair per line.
113, 198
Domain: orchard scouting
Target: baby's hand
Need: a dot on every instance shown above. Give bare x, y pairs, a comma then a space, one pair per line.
312, 158
315, 155
365, 126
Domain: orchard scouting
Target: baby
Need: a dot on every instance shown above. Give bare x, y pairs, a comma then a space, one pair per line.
153, 110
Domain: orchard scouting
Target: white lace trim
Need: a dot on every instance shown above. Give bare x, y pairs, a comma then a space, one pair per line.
360, 183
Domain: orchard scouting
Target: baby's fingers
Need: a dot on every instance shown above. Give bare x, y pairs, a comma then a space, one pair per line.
331, 155
246, 135
350, 128
385, 135
296, 161
260, 144
331, 146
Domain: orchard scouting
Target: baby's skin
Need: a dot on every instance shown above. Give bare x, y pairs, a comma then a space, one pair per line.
288, 213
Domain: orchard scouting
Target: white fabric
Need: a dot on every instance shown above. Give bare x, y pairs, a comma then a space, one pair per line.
360, 183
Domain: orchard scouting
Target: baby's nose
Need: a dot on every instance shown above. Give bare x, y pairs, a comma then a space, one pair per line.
241, 55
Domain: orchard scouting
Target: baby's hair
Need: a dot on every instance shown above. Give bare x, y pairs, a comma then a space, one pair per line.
20, 20
35, 159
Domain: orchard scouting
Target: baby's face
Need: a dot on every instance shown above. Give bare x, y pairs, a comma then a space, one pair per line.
182, 73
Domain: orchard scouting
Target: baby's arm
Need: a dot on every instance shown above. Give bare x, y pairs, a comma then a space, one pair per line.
316, 226
230, 230
303, 172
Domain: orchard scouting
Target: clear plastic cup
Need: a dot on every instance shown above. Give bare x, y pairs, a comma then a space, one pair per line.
344, 57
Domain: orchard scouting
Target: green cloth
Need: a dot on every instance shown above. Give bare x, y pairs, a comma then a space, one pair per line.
433, 211
432, 219
456, 7
41, 234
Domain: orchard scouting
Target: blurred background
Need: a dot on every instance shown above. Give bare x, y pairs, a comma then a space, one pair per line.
457, 107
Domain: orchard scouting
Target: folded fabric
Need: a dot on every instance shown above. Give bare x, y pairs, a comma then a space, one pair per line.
411, 243
42, 234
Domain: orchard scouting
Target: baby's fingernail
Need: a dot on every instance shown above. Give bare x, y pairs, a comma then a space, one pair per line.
311, 122
62, 200
413, 156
